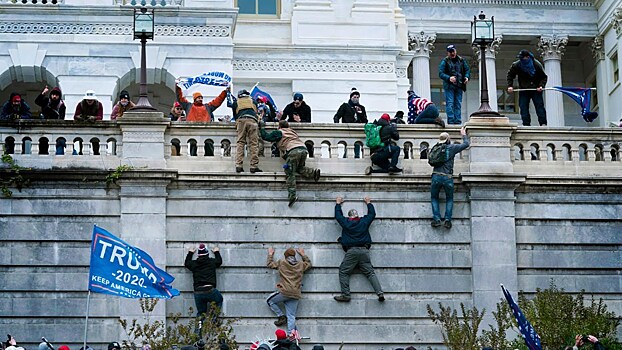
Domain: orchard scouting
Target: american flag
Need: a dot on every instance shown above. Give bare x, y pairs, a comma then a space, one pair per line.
295, 336
532, 339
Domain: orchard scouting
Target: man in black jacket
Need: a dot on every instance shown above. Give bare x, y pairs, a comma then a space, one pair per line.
356, 241
53, 106
204, 276
352, 112
387, 155
297, 111
532, 78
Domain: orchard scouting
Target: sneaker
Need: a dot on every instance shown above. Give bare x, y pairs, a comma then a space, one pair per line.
395, 169
447, 224
368, 170
316, 175
440, 121
292, 201
256, 170
342, 298
436, 223
281, 321
381, 297
239, 169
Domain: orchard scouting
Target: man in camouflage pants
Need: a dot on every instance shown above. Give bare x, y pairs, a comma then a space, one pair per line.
295, 156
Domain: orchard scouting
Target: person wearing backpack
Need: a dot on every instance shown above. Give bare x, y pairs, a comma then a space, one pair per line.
441, 157
383, 154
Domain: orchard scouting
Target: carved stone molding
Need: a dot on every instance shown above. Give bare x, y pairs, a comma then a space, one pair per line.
401, 73
616, 20
111, 29
421, 43
490, 141
491, 50
552, 47
598, 48
313, 66
513, 3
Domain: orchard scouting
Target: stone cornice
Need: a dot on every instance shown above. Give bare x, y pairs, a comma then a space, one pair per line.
312, 66
110, 29
527, 3
552, 47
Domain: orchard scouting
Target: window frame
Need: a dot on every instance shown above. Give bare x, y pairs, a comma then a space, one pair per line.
257, 15
615, 67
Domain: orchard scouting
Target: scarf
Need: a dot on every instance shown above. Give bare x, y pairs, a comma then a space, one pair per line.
527, 66
292, 260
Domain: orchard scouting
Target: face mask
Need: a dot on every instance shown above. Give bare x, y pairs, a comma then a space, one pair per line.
124, 103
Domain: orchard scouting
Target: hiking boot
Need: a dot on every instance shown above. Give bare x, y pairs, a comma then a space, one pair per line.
239, 169
316, 175
342, 298
436, 223
381, 297
439, 121
395, 169
281, 321
292, 201
256, 170
447, 224
368, 170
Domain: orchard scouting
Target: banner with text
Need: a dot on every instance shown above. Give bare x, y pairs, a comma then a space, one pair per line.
210, 78
119, 269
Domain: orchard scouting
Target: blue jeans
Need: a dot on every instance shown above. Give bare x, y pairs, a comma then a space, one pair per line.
291, 306
203, 300
447, 183
428, 116
453, 105
538, 102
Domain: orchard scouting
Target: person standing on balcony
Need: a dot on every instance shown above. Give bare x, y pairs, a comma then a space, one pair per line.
89, 109
246, 118
442, 177
204, 280
15, 108
455, 73
422, 111
356, 241
52, 107
532, 79
289, 286
295, 154
298, 111
122, 106
352, 112
196, 111
386, 155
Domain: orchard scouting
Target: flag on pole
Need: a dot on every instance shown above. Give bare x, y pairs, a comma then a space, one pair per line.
256, 92
583, 97
119, 269
532, 339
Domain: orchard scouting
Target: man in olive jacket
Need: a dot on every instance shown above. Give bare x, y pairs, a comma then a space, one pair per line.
289, 287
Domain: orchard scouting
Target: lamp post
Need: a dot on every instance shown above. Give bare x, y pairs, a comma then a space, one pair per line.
483, 34
143, 30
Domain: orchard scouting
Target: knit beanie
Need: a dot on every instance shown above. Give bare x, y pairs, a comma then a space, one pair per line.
63, 347
56, 91
113, 345
385, 117
202, 250
290, 252
196, 94
354, 91
280, 334
124, 94
16, 98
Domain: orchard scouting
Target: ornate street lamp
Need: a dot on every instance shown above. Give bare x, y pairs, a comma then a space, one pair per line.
483, 34
143, 30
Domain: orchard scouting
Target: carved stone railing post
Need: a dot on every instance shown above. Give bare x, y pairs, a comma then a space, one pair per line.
143, 139
552, 49
421, 44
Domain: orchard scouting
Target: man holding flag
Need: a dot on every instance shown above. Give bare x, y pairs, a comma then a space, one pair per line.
531, 80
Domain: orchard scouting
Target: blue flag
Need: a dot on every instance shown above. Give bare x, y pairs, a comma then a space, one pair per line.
583, 97
256, 92
119, 269
532, 339
209, 78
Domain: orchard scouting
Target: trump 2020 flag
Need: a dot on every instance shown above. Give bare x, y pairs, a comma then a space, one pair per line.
210, 78
532, 339
583, 97
256, 92
119, 269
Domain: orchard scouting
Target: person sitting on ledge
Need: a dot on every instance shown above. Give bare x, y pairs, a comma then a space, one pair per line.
422, 111
15, 108
89, 109
387, 155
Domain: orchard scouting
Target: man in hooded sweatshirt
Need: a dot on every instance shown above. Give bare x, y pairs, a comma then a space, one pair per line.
289, 286
356, 241
531, 76
387, 155
52, 107
204, 278
15, 108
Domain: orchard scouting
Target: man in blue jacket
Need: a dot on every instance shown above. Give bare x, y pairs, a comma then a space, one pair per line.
356, 241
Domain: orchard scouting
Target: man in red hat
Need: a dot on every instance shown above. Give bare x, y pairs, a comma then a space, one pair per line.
387, 154
15, 108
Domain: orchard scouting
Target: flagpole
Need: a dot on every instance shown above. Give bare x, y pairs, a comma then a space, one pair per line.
549, 88
86, 322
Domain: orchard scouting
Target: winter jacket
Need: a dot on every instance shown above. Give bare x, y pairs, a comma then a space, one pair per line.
285, 344
287, 139
47, 110
200, 113
9, 114
84, 110
348, 114
388, 132
525, 81
460, 70
119, 109
447, 168
304, 111
290, 282
203, 269
243, 107
355, 232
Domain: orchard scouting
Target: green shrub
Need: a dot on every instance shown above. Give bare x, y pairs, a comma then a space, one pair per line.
458, 333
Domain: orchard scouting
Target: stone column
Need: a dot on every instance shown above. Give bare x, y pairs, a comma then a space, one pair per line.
491, 70
421, 44
598, 51
403, 85
552, 49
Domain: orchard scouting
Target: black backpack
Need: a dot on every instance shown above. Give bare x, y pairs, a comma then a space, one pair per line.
438, 155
